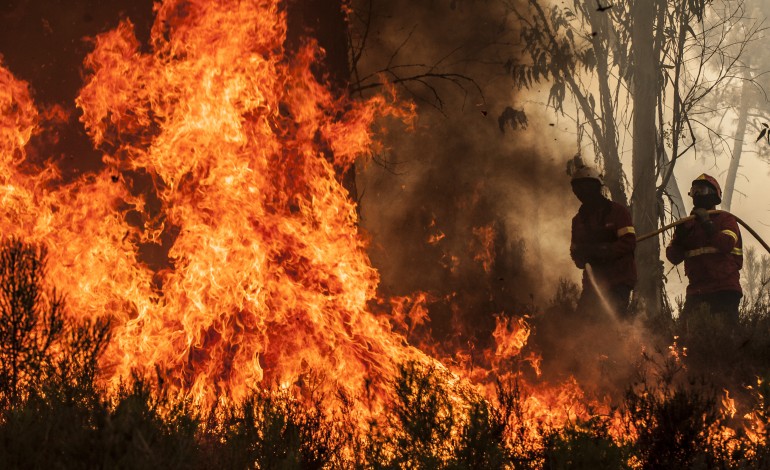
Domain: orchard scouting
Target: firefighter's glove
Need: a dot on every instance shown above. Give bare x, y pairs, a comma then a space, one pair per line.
681, 232
702, 216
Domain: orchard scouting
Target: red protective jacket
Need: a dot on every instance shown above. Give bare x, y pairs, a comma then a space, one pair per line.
609, 223
712, 263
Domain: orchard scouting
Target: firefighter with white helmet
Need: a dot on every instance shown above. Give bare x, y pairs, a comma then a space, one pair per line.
603, 237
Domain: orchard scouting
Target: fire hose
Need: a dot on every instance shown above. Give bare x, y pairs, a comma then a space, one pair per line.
691, 217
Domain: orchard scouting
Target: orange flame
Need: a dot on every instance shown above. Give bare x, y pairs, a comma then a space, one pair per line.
510, 336
240, 261
485, 253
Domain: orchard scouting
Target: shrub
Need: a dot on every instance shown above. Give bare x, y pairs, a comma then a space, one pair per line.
273, 429
584, 446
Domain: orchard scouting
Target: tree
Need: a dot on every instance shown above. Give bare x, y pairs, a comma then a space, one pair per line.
644, 201
557, 44
41, 348
746, 94
342, 31
30, 323
752, 86
424, 82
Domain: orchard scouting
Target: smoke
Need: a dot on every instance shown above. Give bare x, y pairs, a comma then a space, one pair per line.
457, 173
461, 173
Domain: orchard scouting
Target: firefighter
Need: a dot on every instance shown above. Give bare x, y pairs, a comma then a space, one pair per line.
603, 238
712, 250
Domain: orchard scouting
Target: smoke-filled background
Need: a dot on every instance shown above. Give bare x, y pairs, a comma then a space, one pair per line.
464, 178
474, 206
465, 169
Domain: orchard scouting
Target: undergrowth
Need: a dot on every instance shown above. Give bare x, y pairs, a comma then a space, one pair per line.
53, 414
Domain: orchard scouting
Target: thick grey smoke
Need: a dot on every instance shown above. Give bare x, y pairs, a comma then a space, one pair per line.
458, 175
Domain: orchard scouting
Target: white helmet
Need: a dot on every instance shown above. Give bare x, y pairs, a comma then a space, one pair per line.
587, 172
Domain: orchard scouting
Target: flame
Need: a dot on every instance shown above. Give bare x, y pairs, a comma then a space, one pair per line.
410, 312
17, 120
436, 237
510, 335
217, 238
728, 404
436, 234
218, 163
485, 250
754, 421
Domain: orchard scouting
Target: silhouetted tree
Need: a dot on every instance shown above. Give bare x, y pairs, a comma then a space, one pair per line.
41, 349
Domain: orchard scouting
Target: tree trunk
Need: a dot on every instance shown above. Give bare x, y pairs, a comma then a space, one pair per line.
740, 134
644, 201
672, 188
608, 143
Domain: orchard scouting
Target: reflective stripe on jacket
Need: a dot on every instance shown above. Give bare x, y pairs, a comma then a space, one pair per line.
711, 263
609, 223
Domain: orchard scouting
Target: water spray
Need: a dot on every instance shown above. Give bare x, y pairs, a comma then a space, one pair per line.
605, 303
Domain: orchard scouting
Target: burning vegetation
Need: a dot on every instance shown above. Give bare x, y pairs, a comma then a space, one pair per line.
205, 299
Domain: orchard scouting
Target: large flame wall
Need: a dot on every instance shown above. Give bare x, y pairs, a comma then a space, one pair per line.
261, 272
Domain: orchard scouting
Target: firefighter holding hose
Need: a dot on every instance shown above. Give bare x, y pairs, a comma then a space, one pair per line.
712, 250
603, 244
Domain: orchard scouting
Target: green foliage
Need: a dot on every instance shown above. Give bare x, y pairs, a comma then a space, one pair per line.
756, 274
31, 321
139, 430
417, 432
42, 351
481, 441
424, 418
671, 424
430, 426
515, 118
144, 429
